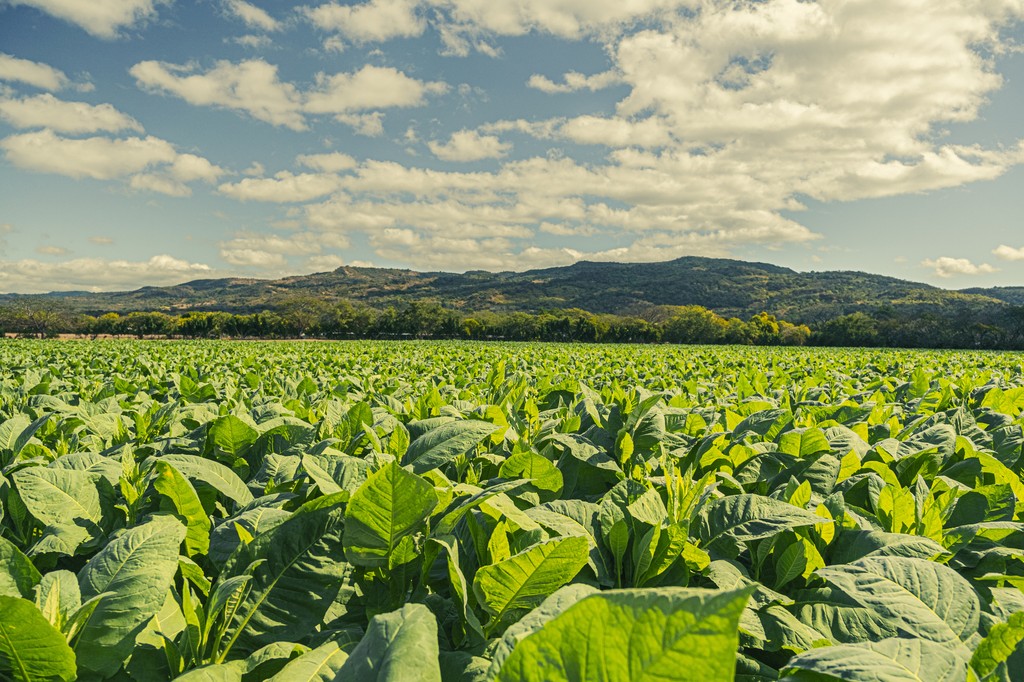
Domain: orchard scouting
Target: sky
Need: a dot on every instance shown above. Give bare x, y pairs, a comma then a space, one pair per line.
152, 142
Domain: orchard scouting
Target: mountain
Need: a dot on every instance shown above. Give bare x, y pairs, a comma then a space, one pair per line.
729, 287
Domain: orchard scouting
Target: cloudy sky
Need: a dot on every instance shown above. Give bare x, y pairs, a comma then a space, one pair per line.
157, 141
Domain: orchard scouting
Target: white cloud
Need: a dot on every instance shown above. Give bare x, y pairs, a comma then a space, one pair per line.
284, 187
51, 250
373, 21
189, 167
100, 158
100, 240
46, 111
371, 87
333, 162
324, 263
253, 87
159, 183
253, 42
945, 266
101, 18
36, 74
1004, 252
368, 125
469, 145
96, 274
251, 15
575, 81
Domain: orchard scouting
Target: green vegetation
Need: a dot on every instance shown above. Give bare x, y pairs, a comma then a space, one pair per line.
473, 512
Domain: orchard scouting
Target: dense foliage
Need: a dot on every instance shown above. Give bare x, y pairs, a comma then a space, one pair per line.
471, 512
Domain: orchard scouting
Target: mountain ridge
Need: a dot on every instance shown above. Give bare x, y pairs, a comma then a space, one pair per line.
729, 287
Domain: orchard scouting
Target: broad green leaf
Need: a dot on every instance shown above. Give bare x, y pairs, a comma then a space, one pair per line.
523, 580
922, 598
58, 597
888, 660
999, 644
18, 575
297, 575
322, 664
137, 568
60, 496
169, 482
230, 437
400, 646
637, 635
440, 445
389, 506
31, 649
743, 518
216, 475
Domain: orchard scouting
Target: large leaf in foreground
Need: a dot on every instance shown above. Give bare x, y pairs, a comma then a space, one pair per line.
137, 568
400, 646
18, 575
30, 648
525, 579
889, 660
389, 506
636, 635
295, 582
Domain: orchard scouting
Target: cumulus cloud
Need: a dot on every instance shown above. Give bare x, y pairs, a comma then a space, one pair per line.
373, 21
574, 81
152, 164
100, 158
251, 15
470, 145
101, 18
46, 111
324, 263
284, 187
96, 274
253, 87
51, 250
332, 162
946, 266
1004, 252
36, 74
250, 86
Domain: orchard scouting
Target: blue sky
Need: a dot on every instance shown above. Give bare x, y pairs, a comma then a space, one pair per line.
148, 142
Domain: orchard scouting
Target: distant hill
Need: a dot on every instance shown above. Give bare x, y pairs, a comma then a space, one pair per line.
729, 287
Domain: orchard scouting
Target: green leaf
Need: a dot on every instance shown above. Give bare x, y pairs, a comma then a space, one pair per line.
60, 496
296, 579
525, 579
637, 635
923, 599
30, 648
58, 597
389, 506
539, 470
440, 445
216, 475
743, 518
889, 660
171, 484
230, 437
18, 575
997, 647
137, 567
400, 646
322, 664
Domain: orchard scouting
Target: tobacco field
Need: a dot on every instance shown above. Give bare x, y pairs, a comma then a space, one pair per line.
471, 512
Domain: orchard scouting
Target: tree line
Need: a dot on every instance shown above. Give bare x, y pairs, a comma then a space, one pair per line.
310, 317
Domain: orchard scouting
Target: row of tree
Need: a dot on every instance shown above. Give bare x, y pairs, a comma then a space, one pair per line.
310, 317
